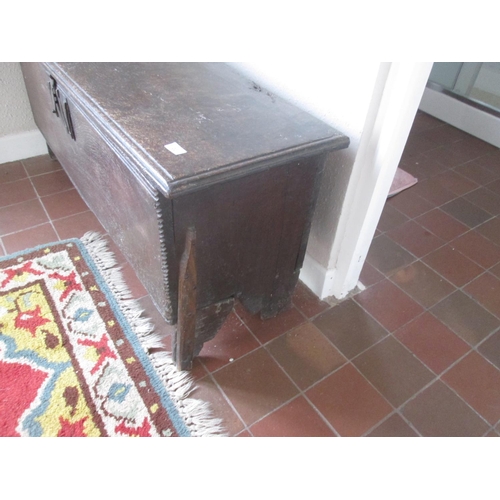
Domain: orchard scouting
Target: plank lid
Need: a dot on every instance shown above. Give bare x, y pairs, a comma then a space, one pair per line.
192, 124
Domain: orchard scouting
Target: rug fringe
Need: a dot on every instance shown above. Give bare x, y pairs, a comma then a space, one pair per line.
195, 413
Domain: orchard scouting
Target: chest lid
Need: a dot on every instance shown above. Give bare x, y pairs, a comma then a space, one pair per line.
215, 122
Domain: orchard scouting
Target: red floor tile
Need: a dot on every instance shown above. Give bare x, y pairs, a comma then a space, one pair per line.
295, 419
305, 354
53, 182
420, 165
491, 230
486, 290
16, 192
393, 370
438, 412
348, 402
410, 204
64, 204
495, 270
369, 275
389, 305
30, 238
432, 342
465, 317
21, 216
232, 341
475, 172
422, 284
456, 183
307, 302
442, 225
76, 226
13, 171
416, 239
206, 390
255, 385
485, 199
432, 190
490, 349
133, 283
478, 248
390, 218
387, 256
494, 186
394, 426
478, 383
268, 329
41, 165
466, 212
350, 328
453, 265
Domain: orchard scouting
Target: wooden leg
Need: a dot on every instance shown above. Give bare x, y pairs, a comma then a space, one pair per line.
184, 341
51, 153
194, 327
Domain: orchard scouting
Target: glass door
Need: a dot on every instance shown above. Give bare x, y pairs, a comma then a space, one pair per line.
477, 82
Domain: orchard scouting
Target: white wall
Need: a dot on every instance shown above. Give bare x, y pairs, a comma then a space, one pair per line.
19, 136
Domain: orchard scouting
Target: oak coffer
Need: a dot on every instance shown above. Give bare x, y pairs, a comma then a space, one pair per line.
205, 180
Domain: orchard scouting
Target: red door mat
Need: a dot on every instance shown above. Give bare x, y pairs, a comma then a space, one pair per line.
402, 180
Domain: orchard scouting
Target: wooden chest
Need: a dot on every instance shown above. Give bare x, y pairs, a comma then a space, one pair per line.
205, 181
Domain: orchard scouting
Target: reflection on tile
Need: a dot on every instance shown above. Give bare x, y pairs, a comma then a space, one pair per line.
393, 370
394, 426
388, 304
452, 265
442, 225
466, 212
350, 328
486, 290
416, 239
465, 317
478, 383
307, 302
348, 402
255, 385
432, 342
305, 354
387, 256
438, 411
422, 284
295, 419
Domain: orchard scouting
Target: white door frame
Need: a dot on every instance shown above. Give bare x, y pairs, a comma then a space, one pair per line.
396, 98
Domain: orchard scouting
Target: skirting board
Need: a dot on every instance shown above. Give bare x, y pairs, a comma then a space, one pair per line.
23, 145
320, 280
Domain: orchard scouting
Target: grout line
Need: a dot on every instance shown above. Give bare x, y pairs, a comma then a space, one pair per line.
45, 210
228, 401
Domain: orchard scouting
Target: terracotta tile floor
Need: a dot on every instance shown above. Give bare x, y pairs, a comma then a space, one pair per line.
416, 353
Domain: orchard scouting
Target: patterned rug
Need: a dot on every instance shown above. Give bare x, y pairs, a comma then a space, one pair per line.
76, 356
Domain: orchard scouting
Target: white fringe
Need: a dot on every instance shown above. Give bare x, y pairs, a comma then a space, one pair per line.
196, 414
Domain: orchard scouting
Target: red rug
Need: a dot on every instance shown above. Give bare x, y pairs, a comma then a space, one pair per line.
77, 358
